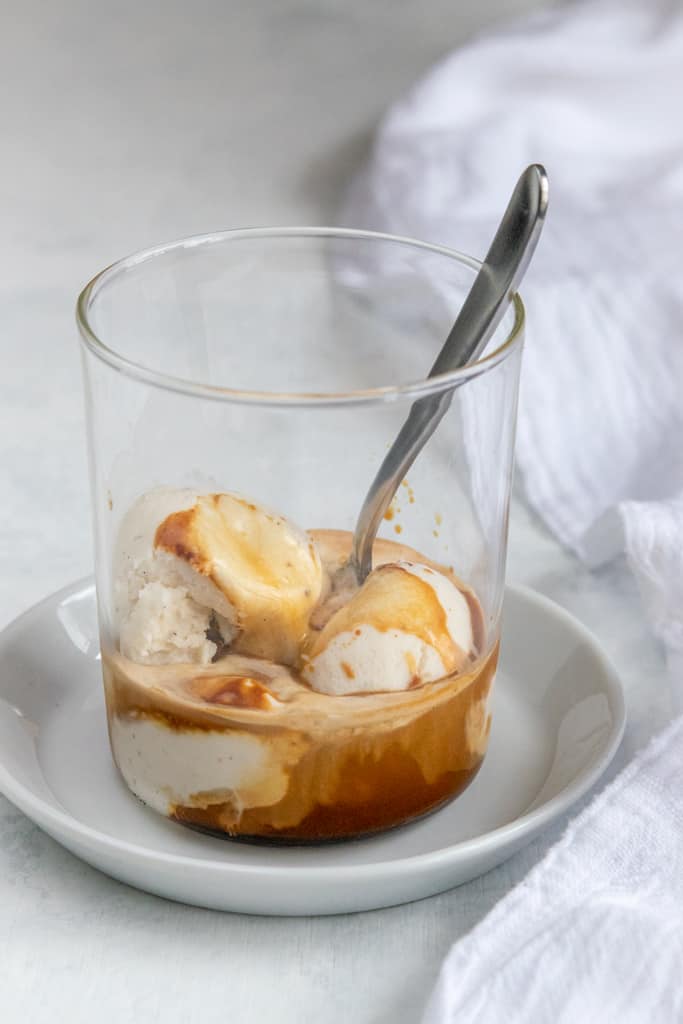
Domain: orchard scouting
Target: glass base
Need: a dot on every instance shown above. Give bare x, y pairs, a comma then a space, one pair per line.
285, 839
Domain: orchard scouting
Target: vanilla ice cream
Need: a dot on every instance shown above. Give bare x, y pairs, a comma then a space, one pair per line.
210, 727
408, 624
194, 573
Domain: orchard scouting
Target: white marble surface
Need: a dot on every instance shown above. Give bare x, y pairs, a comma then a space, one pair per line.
124, 125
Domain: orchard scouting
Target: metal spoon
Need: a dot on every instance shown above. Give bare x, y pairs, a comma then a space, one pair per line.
499, 277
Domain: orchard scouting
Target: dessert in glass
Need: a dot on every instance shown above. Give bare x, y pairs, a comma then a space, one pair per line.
242, 389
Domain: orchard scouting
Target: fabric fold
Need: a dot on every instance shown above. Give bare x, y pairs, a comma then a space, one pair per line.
592, 90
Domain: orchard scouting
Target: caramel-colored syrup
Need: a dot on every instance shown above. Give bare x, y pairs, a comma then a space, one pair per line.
369, 782
353, 765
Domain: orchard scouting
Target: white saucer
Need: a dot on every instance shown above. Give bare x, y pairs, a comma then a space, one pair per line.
558, 717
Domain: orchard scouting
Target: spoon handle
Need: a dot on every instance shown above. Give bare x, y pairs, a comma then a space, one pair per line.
498, 278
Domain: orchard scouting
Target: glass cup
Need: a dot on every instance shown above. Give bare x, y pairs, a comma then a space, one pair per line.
242, 389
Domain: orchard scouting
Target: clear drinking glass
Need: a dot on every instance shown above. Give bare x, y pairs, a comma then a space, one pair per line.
278, 366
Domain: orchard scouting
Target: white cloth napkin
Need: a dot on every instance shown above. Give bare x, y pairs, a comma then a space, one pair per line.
595, 932
594, 91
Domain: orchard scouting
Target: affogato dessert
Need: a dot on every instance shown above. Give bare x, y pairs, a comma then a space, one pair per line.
249, 695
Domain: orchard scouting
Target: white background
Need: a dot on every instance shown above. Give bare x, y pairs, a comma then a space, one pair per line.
124, 125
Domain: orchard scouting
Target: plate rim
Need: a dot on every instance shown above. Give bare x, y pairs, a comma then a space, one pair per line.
529, 822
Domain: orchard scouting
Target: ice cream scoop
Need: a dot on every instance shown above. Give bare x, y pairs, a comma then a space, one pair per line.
408, 624
194, 572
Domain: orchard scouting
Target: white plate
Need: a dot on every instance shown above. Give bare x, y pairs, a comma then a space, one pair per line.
558, 717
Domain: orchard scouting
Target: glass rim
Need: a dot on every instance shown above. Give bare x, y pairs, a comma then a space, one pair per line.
200, 389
